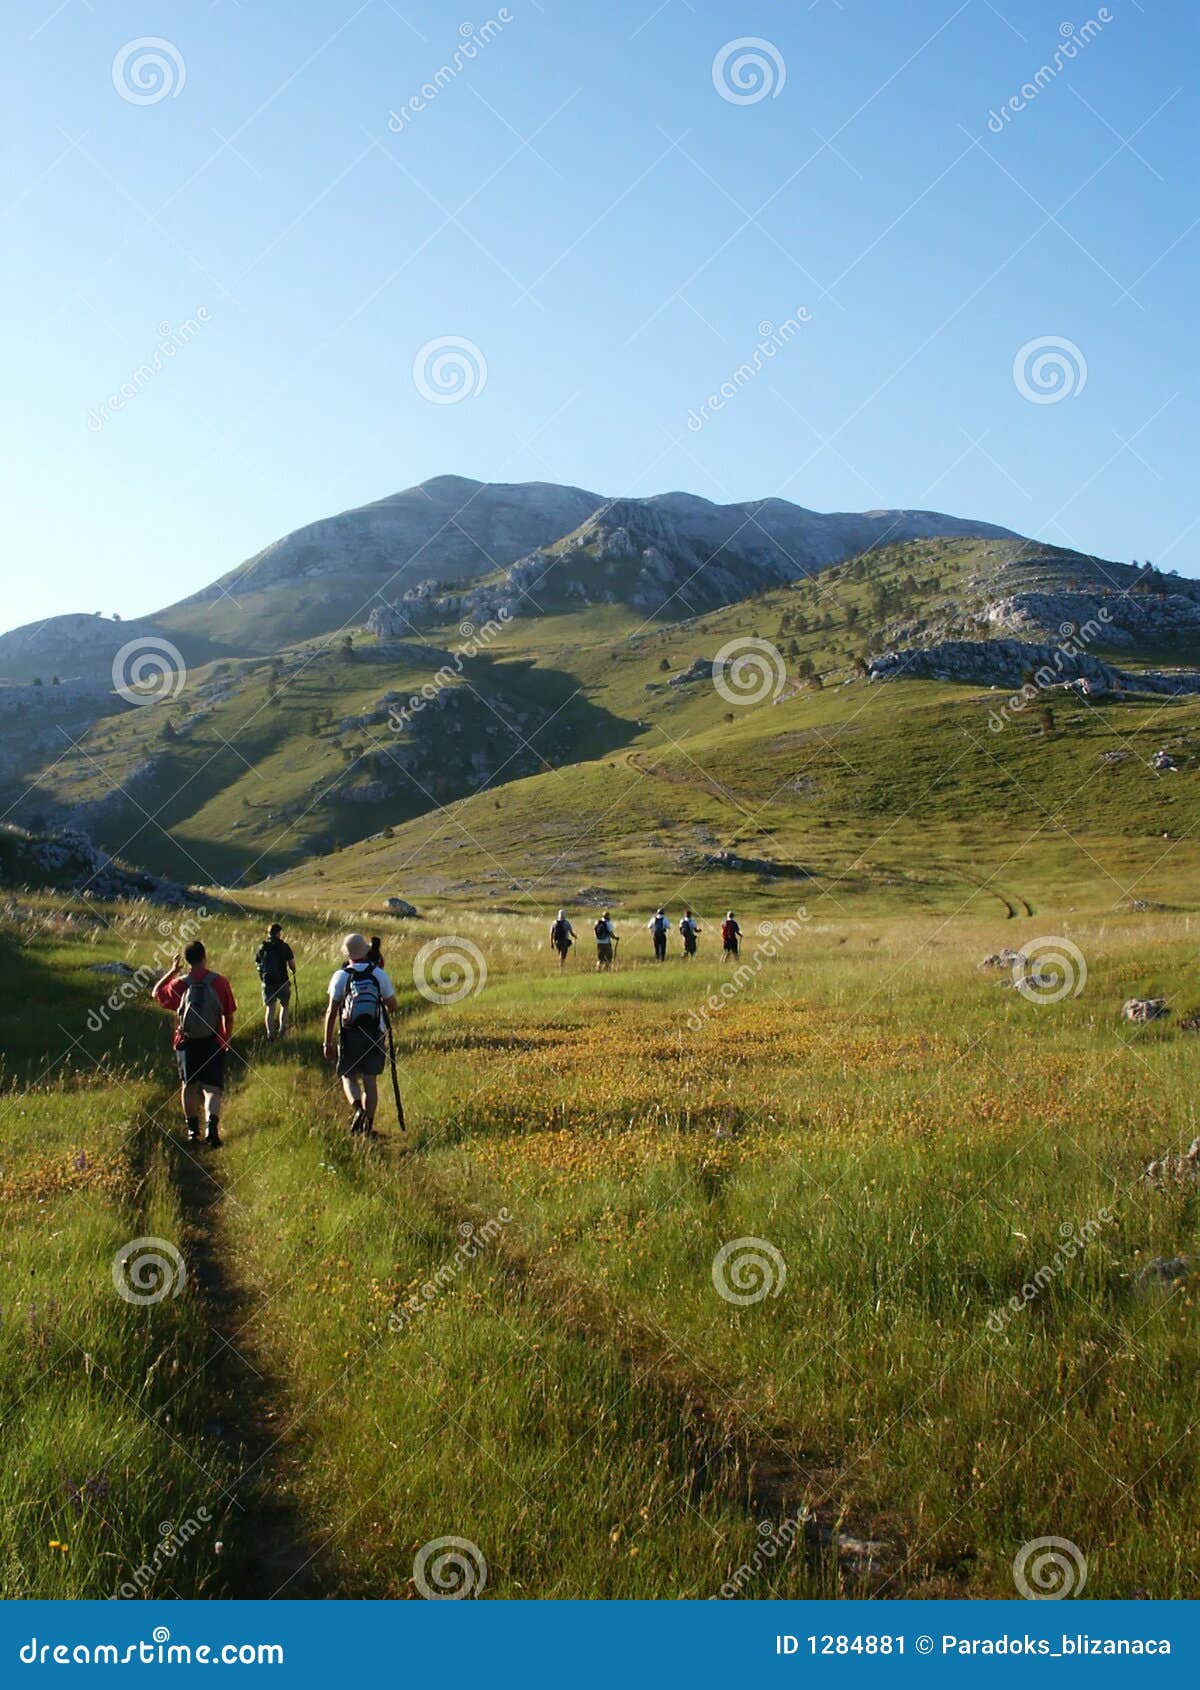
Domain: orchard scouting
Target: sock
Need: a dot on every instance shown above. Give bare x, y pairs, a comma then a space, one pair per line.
213, 1123
193, 1123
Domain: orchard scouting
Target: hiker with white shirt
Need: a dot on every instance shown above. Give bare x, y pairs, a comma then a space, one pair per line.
361, 996
659, 927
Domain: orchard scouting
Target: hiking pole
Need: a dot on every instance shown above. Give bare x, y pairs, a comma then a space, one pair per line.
387, 1022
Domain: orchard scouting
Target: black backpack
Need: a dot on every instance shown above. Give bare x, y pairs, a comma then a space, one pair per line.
559, 934
362, 1003
602, 929
271, 963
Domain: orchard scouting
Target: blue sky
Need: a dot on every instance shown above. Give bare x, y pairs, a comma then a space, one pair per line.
584, 205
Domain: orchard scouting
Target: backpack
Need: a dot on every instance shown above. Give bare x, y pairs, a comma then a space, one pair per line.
728, 931
602, 932
363, 1001
559, 934
271, 964
660, 926
200, 1015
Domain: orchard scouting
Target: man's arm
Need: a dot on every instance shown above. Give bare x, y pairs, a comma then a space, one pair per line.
161, 984
330, 1022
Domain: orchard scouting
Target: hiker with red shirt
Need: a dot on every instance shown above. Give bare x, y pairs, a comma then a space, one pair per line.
203, 1005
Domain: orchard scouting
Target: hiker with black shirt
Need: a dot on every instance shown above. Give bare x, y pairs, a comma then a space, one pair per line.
606, 942
360, 996
203, 1005
275, 960
659, 927
562, 937
375, 951
689, 930
730, 934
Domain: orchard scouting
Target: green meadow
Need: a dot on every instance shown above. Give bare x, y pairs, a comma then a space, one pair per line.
828, 1276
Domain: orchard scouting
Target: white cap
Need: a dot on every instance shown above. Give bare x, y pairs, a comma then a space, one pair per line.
562, 915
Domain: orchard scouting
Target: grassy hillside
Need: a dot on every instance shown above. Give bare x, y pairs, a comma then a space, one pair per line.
567, 750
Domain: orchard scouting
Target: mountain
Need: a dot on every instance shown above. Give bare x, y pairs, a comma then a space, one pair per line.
673, 555
451, 537
328, 575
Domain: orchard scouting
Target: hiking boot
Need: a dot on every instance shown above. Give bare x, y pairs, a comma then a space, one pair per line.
214, 1137
194, 1136
358, 1123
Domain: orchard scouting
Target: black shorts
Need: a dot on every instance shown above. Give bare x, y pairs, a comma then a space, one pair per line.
201, 1062
360, 1050
604, 950
280, 993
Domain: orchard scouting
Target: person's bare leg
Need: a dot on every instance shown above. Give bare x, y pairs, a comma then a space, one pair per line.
212, 1112
191, 1098
370, 1103
283, 1018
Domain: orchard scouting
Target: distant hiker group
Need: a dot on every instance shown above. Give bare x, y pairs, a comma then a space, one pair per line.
562, 936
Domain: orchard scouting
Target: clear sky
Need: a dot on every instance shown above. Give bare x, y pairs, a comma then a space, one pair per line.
583, 202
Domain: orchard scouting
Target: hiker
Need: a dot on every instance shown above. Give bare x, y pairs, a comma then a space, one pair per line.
360, 994
275, 959
562, 936
203, 1004
689, 931
606, 942
730, 934
659, 927
375, 951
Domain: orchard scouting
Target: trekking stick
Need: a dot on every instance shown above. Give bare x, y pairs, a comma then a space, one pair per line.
387, 1021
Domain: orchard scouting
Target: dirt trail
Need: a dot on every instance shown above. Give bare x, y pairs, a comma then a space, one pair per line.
763, 1472
270, 1549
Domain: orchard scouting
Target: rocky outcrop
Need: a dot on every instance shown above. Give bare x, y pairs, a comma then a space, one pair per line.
70, 860
1144, 1009
1008, 663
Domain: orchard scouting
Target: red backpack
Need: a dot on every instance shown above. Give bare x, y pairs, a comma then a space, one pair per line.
728, 929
